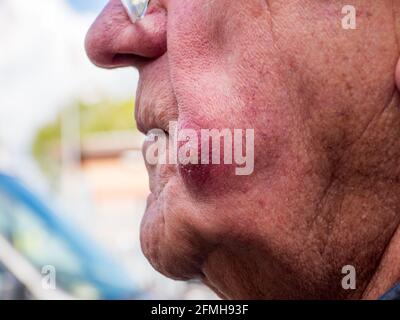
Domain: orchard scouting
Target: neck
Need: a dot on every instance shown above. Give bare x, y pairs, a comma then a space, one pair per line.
359, 217
383, 180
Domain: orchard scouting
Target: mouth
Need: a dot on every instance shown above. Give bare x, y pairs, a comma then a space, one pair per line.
156, 106
159, 172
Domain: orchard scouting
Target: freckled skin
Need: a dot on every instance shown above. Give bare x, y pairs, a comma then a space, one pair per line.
324, 105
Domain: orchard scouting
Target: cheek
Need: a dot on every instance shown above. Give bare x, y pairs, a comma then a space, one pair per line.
195, 176
210, 174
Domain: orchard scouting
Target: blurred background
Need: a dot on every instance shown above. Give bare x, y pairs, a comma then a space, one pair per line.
73, 185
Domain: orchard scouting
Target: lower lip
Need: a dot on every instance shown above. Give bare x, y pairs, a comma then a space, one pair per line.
150, 200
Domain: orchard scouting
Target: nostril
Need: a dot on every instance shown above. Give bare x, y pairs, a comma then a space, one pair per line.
125, 60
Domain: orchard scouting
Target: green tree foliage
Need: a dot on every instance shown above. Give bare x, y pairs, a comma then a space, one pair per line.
94, 118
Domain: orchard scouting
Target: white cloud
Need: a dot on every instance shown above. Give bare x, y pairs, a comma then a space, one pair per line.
43, 67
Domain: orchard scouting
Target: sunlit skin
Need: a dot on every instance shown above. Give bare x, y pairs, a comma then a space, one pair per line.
324, 104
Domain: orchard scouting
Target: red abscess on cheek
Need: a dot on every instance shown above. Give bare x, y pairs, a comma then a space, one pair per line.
195, 176
203, 176
206, 179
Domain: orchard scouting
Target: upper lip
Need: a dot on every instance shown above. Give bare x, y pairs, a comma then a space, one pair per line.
156, 104
147, 119
153, 111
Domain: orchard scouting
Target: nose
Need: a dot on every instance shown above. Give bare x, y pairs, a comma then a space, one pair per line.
113, 41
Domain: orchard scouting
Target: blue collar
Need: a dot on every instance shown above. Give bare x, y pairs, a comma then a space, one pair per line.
392, 294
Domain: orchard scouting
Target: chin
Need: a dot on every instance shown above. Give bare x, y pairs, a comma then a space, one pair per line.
169, 237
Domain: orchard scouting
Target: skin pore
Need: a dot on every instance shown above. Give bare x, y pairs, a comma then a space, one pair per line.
324, 104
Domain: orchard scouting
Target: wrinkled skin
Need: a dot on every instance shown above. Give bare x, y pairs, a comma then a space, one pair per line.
324, 104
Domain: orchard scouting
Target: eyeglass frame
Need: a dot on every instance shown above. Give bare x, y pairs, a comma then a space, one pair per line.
135, 18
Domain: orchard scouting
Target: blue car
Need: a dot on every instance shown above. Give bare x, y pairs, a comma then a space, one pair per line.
37, 246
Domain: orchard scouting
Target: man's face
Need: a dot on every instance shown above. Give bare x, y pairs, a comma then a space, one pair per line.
308, 88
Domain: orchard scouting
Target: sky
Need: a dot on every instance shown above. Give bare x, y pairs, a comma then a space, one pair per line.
87, 5
43, 66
